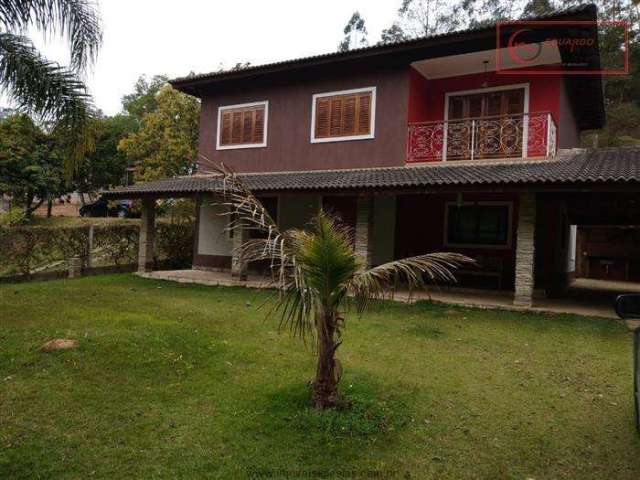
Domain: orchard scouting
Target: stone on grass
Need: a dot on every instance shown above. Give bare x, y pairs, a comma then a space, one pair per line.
59, 344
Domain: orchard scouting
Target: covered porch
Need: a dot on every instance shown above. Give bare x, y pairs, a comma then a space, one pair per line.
515, 218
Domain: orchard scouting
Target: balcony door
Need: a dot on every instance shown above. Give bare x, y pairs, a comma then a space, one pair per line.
486, 125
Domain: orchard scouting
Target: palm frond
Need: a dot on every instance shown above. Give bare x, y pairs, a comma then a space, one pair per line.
246, 211
77, 20
45, 88
414, 272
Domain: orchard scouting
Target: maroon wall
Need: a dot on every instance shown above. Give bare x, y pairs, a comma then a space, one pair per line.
289, 125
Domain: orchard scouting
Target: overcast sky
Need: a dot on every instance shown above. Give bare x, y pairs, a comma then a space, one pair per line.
177, 37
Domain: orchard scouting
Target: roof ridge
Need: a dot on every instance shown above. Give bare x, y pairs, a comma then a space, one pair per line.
479, 28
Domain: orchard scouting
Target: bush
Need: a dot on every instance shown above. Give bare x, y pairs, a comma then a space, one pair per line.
174, 242
119, 243
69, 242
15, 216
23, 248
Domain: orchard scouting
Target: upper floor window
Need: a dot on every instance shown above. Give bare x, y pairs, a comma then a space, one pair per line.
344, 115
243, 126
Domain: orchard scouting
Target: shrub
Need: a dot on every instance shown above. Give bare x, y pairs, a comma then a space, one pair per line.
22, 248
119, 243
174, 242
69, 242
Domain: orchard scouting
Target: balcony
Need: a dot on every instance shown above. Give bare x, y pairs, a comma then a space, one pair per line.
528, 135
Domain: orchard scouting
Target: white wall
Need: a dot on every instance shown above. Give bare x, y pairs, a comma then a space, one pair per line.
212, 239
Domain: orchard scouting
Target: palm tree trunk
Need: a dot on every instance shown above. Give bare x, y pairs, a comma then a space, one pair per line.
325, 389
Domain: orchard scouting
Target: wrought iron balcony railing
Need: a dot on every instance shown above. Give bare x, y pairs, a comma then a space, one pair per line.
525, 135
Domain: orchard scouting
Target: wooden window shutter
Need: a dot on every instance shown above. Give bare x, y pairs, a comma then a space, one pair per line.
247, 126
349, 115
258, 126
343, 115
243, 126
335, 126
364, 114
236, 127
225, 134
323, 111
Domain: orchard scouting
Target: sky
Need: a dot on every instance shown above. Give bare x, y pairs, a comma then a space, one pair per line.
177, 37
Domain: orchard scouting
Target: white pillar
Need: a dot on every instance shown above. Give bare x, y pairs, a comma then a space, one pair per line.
238, 267
364, 230
147, 234
525, 250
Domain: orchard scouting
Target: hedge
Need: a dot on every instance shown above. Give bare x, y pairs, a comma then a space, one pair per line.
25, 249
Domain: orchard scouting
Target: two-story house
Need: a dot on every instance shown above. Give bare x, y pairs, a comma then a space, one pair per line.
420, 146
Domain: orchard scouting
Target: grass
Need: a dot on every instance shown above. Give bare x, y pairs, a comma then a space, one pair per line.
176, 381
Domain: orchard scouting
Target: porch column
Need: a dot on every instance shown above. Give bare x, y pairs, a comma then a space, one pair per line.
364, 229
147, 233
238, 267
525, 250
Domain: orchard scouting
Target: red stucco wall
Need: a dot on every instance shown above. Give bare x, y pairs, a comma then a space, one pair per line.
546, 94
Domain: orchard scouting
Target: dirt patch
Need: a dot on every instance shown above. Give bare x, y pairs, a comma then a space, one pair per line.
59, 344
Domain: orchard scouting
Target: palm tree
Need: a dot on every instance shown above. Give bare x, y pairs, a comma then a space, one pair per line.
44, 88
318, 274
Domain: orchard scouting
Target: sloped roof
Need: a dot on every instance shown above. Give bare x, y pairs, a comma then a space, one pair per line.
613, 166
181, 82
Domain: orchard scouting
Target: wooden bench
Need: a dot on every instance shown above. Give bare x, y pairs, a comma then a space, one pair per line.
491, 267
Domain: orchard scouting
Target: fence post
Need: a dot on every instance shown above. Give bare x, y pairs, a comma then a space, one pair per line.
90, 250
75, 267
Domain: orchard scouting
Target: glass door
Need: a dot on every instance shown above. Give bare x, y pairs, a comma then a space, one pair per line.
486, 125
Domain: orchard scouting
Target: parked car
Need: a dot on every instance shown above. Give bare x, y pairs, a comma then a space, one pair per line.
105, 208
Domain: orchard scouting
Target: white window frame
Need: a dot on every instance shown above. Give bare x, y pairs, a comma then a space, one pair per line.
372, 129
478, 246
264, 103
525, 112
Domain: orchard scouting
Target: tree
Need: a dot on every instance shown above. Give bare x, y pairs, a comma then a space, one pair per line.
355, 34
393, 34
31, 164
421, 18
166, 143
143, 100
39, 86
105, 166
317, 270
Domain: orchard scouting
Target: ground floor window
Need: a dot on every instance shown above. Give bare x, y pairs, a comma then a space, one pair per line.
481, 224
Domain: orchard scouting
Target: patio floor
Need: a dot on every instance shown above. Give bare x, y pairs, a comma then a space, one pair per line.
585, 297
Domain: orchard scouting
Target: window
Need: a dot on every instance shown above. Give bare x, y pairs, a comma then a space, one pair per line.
345, 115
479, 224
243, 126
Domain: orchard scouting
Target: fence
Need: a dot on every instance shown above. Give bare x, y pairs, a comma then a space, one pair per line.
29, 253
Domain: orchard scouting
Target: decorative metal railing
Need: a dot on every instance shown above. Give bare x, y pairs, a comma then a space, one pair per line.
507, 136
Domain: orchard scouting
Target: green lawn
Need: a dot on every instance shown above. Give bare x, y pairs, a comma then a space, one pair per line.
174, 381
